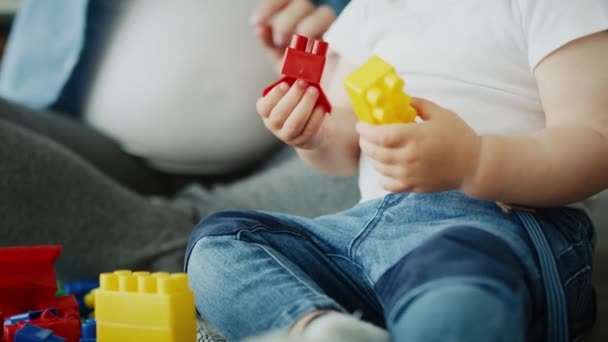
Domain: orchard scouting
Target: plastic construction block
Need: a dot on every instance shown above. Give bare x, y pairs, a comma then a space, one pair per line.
30, 316
140, 306
302, 62
376, 93
27, 277
89, 333
65, 327
80, 289
32, 333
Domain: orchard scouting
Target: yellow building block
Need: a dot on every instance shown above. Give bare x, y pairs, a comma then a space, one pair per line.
140, 306
376, 93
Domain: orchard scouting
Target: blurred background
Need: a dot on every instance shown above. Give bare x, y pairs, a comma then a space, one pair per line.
600, 205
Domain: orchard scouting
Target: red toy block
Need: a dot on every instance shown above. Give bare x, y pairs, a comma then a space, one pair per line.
66, 306
27, 277
299, 62
66, 327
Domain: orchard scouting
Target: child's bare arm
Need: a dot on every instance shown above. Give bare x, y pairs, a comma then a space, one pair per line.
328, 143
567, 161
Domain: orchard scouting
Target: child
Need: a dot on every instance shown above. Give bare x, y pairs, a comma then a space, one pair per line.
428, 253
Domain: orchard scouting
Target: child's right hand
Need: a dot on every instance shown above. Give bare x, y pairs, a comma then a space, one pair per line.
291, 114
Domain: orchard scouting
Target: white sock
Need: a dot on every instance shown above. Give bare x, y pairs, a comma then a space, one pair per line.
339, 327
331, 327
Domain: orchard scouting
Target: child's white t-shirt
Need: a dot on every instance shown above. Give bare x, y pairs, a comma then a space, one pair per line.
475, 57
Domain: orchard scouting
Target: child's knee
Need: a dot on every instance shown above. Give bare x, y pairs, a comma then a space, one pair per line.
461, 312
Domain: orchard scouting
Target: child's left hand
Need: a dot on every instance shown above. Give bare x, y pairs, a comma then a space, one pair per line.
440, 153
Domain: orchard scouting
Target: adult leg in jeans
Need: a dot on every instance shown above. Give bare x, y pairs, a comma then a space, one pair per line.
49, 194
97, 149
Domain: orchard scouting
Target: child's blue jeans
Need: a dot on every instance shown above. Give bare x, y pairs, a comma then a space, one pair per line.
428, 267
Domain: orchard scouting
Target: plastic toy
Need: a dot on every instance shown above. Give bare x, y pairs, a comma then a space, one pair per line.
148, 307
30, 316
80, 289
32, 333
65, 327
27, 277
306, 64
376, 93
89, 333
28, 285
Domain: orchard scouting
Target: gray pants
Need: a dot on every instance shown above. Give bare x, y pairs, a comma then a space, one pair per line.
62, 182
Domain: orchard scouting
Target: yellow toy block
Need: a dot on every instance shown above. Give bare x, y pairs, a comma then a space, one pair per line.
140, 306
376, 93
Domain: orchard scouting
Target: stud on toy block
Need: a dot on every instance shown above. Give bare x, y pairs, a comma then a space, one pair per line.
140, 306
299, 62
376, 93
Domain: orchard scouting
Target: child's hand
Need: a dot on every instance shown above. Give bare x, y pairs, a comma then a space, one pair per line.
277, 20
438, 154
291, 115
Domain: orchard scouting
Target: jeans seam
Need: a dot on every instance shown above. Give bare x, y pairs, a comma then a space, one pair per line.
576, 275
569, 248
259, 227
368, 227
288, 270
369, 287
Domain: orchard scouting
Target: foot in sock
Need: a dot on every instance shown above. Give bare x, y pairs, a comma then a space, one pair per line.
332, 327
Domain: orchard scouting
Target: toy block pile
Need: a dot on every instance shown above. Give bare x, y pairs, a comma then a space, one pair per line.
129, 306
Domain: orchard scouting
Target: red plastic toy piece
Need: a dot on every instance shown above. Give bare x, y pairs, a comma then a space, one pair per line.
28, 283
27, 277
306, 64
66, 327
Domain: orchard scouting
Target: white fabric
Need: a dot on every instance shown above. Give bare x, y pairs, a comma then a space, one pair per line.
475, 57
178, 85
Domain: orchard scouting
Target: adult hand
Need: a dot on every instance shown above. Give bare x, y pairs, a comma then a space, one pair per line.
277, 20
440, 153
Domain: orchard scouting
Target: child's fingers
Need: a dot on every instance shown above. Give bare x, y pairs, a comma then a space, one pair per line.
286, 105
265, 10
311, 134
379, 153
265, 104
390, 170
296, 122
315, 24
285, 22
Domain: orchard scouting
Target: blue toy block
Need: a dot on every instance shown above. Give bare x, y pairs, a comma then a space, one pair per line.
30, 316
80, 289
32, 333
89, 331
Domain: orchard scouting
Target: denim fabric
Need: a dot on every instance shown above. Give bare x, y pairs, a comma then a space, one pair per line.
278, 267
43, 49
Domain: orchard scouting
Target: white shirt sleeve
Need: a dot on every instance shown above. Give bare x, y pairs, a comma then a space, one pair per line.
551, 24
345, 35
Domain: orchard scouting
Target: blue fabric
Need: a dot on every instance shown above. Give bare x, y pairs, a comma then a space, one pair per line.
54, 47
43, 49
337, 5
278, 267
